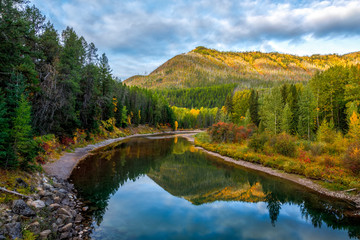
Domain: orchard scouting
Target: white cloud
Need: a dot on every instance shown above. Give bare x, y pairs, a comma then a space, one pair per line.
154, 31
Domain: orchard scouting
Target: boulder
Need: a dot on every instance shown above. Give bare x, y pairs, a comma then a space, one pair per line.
66, 228
64, 212
54, 206
65, 235
38, 204
45, 234
78, 218
13, 230
34, 227
20, 207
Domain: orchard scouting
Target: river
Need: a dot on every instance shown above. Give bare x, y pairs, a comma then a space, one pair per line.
162, 187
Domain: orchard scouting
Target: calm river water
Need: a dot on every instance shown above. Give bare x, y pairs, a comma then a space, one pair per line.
165, 188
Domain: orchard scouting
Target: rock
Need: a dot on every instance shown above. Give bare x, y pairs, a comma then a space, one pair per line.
54, 227
41, 193
63, 191
20, 207
2, 237
65, 235
54, 206
60, 195
13, 230
66, 228
45, 234
38, 204
34, 227
21, 183
48, 201
78, 218
65, 218
65, 201
59, 221
57, 200
36, 196
64, 212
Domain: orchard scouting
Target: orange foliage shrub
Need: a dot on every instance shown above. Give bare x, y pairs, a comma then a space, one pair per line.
229, 132
352, 158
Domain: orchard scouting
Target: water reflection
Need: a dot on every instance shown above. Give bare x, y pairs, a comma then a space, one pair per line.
151, 180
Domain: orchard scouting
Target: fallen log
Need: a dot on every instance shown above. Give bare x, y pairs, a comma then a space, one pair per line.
350, 190
13, 192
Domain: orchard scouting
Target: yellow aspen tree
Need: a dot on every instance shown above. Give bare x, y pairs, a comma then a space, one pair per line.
354, 127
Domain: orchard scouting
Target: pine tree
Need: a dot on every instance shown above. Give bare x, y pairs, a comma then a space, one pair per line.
5, 133
306, 114
326, 132
286, 119
271, 110
293, 101
22, 133
254, 107
229, 104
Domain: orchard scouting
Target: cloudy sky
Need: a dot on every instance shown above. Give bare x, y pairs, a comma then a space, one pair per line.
138, 36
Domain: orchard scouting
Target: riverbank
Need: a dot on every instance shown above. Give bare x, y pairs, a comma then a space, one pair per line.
47, 209
62, 167
301, 180
45, 205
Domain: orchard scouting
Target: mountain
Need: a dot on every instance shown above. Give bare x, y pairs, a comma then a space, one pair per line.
206, 67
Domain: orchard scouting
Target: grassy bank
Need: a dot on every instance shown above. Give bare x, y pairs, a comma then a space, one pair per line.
304, 159
51, 148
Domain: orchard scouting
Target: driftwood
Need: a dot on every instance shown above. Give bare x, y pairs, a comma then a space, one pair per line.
350, 190
14, 193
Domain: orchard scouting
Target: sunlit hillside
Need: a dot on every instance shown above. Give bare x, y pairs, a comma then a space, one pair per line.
206, 67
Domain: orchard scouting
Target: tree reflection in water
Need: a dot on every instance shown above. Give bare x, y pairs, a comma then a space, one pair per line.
183, 171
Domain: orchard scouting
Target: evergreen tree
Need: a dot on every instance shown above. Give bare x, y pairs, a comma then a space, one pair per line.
286, 119
293, 100
271, 110
22, 133
306, 113
229, 104
5, 133
254, 107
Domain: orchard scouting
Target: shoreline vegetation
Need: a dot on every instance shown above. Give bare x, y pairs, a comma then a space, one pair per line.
64, 164
276, 165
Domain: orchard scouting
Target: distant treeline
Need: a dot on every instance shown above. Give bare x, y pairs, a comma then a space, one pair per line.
57, 83
208, 97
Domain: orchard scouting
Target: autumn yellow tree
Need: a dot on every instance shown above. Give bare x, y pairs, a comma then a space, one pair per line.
354, 127
176, 125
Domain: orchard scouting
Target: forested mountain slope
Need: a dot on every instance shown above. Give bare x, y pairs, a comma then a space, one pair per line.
206, 67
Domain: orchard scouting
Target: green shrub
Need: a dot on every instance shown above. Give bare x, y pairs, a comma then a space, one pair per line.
316, 149
257, 142
284, 144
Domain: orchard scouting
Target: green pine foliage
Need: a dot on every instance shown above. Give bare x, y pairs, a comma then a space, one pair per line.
23, 145
198, 97
53, 83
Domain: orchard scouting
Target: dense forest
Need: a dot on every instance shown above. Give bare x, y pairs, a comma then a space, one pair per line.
309, 129
53, 83
209, 97
329, 99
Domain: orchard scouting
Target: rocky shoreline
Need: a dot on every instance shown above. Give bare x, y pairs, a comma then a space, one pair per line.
53, 211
